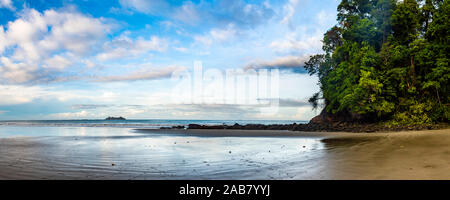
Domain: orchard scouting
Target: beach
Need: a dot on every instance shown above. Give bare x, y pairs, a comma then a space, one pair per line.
149, 154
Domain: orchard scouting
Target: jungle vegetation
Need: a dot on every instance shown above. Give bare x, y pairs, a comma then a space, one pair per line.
386, 61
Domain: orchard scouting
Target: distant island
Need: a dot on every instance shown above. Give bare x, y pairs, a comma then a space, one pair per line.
115, 118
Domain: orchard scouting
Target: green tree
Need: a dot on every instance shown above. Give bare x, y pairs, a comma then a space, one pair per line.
386, 60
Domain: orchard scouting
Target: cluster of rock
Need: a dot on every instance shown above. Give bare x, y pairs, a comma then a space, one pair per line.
315, 127
115, 118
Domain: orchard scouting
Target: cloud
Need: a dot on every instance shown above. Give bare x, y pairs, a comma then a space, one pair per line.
242, 14
75, 115
96, 106
19, 72
147, 74
73, 31
290, 9
144, 6
287, 102
89, 106
125, 47
217, 35
181, 49
38, 43
37, 34
238, 12
293, 103
203, 39
290, 43
7, 4
219, 111
223, 34
19, 94
325, 18
100, 111
187, 13
295, 63
57, 62
305, 113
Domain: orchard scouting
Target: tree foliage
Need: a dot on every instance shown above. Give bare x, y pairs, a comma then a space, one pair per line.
386, 60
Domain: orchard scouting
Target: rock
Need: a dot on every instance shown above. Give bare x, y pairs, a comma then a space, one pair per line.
115, 118
317, 120
194, 126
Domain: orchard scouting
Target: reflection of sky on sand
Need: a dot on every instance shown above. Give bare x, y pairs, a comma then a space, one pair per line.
118, 153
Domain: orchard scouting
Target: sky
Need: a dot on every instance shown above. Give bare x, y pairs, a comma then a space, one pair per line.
83, 59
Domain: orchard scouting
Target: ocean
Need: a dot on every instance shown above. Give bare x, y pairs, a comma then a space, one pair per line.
136, 123
101, 149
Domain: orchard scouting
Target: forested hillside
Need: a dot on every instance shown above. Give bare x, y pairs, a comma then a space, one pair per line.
386, 61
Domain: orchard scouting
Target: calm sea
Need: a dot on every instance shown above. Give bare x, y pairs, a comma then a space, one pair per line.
136, 123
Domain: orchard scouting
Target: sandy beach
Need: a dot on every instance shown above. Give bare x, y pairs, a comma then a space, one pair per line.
226, 154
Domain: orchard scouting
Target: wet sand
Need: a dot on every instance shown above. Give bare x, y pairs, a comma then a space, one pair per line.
225, 154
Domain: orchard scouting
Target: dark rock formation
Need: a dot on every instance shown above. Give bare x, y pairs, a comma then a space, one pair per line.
115, 118
320, 127
341, 122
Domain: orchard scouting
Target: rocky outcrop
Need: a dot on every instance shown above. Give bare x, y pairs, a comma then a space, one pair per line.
115, 118
325, 118
317, 127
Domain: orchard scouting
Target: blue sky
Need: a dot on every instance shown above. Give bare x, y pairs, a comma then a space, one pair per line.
81, 59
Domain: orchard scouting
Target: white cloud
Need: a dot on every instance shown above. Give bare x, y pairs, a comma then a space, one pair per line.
13, 94
280, 62
291, 43
88, 63
34, 37
290, 10
217, 35
145, 74
24, 33
305, 113
19, 94
57, 62
7, 4
223, 34
3, 40
187, 13
125, 47
205, 40
325, 18
38, 34
75, 115
73, 31
181, 49
16, 72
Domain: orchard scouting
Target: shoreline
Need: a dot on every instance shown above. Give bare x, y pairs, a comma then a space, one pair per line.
284, 133
230, 154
